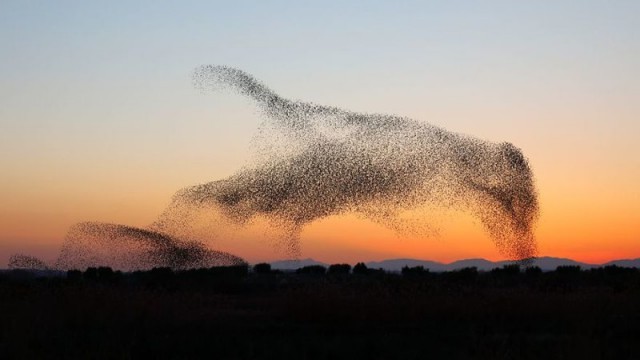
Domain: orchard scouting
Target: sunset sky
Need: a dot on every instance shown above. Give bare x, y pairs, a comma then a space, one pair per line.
99, 120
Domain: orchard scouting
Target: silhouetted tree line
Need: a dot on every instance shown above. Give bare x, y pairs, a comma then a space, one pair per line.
566, 277
242, 312
235, 278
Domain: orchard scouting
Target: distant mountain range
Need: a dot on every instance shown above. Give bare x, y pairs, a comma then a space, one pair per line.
545, 263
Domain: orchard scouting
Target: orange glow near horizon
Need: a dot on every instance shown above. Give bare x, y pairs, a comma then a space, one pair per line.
349, 238
593, 221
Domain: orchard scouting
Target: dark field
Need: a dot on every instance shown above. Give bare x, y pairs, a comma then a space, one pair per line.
238, 313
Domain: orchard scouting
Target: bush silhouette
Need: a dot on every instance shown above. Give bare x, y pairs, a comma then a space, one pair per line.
414, 271
465, 275
74, 275
339, 269
312, 270
533, 271
507, 270
234, 271
106, 274
262, 268
360, 268
568, 269
91, 274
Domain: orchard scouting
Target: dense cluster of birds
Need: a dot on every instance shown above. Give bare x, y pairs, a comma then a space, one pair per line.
92, 244
21, 261
319, 161
126, 247
316, 161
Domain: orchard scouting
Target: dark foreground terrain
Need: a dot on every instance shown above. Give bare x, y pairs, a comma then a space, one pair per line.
242, 313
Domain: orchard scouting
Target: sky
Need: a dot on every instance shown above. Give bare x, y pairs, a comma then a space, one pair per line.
99, 120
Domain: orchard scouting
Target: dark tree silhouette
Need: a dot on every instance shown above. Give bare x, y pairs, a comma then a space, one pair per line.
342, 269
262, 268
312, 270
360, 268
467, 275
74, 275
414, 271
91, 274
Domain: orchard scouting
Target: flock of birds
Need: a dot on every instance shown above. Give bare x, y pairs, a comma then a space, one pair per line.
319, 161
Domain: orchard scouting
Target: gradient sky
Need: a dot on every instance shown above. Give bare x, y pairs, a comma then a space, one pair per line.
99, 120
